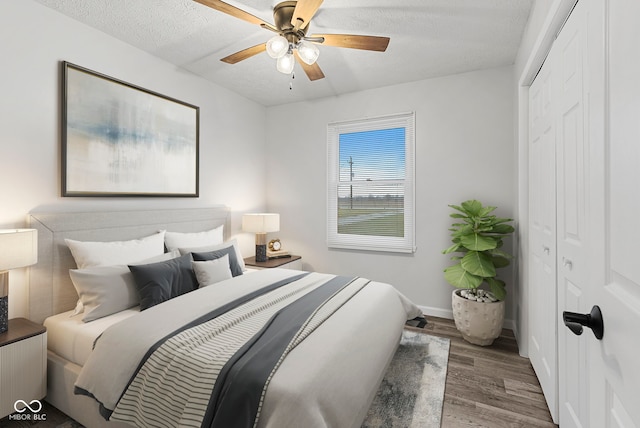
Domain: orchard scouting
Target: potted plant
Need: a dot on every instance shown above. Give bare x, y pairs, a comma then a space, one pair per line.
477, 237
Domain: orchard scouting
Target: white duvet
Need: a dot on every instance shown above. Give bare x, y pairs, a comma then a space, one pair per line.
328, 380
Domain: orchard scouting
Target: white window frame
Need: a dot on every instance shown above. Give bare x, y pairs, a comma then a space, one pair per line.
404, 244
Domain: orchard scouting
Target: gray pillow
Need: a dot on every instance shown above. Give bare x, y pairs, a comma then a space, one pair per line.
234, 242
235, 267
159, 282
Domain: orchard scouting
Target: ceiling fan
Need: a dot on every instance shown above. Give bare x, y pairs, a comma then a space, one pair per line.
291, 43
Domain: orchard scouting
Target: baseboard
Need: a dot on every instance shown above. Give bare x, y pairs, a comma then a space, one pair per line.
509, 324
437, 312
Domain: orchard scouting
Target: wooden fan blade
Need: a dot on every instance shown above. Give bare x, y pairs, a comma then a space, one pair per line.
304, 11
245, 53
313, 71
223, 7
368, 43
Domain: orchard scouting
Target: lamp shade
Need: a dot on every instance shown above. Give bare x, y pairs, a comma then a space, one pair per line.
18, 248
261, 222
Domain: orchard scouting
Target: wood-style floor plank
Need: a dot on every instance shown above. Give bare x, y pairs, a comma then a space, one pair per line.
489, 386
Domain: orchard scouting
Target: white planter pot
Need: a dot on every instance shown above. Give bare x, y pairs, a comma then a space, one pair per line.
479, 322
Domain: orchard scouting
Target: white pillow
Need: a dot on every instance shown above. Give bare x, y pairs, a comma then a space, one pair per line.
175, 240
89, 254
105, 290
212, 271
208, 248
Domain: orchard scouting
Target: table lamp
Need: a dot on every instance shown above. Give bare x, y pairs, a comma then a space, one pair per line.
18, 248
261, 224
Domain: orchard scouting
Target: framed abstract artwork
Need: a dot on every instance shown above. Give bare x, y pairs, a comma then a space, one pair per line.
122, 140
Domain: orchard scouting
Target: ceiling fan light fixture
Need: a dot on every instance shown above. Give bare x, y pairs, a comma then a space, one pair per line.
291, 23
308, 52
285, 63
277, 46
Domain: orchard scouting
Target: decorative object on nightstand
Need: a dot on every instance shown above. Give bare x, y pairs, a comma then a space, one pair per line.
18, 248
261, 224
23, 366
275, 251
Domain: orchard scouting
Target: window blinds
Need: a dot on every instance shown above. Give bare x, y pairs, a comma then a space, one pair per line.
371, 184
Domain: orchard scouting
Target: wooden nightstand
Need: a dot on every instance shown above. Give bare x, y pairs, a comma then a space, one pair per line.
23, 364
293, 262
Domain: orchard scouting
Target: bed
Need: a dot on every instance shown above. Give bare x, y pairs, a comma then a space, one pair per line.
327, 379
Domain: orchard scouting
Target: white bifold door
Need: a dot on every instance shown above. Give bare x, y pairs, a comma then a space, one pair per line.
543, 348
584, 198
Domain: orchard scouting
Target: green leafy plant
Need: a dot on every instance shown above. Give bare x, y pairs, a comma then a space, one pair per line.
477, 236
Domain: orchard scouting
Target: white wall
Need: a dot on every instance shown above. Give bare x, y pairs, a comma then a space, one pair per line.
464, 149
34, 39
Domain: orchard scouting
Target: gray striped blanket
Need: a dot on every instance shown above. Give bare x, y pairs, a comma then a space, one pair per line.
214, 370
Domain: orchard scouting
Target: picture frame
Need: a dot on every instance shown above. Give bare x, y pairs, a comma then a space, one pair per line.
119, 139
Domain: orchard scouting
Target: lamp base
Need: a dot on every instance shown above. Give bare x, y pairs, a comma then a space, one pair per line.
4, 313
261, 253
261, 247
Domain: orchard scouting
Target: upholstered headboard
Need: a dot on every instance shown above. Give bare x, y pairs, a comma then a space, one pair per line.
50, 287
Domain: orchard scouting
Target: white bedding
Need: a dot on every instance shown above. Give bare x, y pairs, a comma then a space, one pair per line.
328, 380
72, 339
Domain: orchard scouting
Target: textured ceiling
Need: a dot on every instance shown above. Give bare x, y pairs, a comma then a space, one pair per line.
429, 38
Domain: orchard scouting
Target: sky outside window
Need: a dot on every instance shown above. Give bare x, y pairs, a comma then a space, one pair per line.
376, 155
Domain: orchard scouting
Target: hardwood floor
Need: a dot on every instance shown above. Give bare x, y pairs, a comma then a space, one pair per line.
489, 386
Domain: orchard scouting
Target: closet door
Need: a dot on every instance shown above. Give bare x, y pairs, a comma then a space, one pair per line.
573, 236
596, 113
542, 233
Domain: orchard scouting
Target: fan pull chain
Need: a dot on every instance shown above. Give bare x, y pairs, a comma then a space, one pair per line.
293, 76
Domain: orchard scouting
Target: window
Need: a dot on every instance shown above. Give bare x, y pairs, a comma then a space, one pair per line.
371, 184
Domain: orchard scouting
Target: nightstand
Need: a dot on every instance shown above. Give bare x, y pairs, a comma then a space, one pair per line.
23, 364
293, 262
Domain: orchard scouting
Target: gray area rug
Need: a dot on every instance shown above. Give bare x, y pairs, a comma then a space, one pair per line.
412, 391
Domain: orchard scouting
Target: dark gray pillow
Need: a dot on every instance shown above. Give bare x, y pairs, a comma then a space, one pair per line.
235, 267
159, 282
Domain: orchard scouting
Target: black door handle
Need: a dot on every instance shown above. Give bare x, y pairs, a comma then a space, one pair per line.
592, 320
